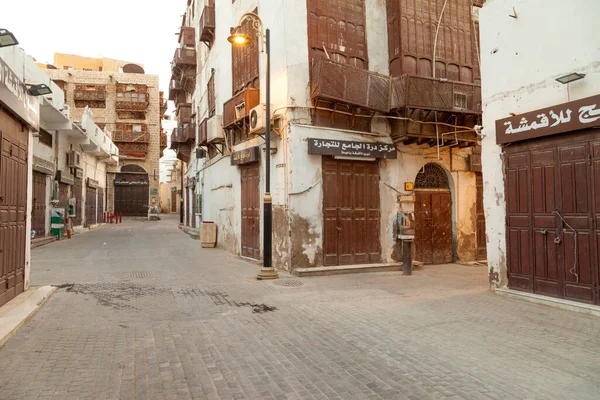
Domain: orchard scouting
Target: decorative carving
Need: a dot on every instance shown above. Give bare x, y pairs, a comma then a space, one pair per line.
432, 176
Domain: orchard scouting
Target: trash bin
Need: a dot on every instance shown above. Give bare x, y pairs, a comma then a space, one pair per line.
208, 234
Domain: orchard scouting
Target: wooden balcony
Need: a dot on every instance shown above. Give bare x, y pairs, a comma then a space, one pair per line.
131, 137
189, 133
136, 150
345, 84
187, 37
184, 58
184, 114
203, 133
238, 107
90, 92
207, 25
176, 91
431, 94
132, 105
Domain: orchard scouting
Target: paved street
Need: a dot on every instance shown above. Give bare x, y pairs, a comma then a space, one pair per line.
144, 312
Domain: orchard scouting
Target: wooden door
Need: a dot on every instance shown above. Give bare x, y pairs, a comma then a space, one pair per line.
194, 209
351, 212
13, 206
78, 195
187, 207
595, 152
173, 200
481, 251
90, 206
38, 212
250, 211
433, 223
100, 210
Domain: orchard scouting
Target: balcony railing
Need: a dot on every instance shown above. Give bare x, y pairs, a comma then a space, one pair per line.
184, 114
184, 57
239, 106
132, 105
207, 24
341, 83
203, 133
133, 149
420, 92
187, 36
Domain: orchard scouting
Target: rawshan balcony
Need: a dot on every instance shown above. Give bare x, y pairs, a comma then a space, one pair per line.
184, 114
207, 25
187, 37
183, 58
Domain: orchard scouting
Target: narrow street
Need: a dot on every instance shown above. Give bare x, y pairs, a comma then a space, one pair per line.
144, 312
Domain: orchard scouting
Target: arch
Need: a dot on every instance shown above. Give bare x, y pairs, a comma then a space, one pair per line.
133, 168
432, 176
133, 69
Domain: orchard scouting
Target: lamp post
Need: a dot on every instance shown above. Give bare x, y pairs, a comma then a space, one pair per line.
239, 39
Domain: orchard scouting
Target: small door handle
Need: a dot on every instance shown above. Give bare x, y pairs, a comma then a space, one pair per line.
338, 228
557, 240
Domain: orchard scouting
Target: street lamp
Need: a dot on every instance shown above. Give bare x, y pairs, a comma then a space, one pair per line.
7, 38
238, 38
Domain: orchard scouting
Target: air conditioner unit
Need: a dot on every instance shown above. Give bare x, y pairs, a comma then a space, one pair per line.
74, 159
214, 129
258, 119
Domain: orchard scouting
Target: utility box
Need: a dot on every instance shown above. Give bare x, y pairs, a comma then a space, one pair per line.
57, 220
208, 234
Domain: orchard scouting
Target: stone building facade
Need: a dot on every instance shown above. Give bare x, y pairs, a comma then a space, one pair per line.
364, 128
128, 106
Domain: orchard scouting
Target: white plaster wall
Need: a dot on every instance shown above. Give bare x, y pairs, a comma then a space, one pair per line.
520, 59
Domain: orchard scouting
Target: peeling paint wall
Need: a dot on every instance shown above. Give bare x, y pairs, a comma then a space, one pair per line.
519, 76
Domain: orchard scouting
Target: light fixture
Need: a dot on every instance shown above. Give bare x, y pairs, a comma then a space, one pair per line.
239, 39
7, 38
572, 77
39, 90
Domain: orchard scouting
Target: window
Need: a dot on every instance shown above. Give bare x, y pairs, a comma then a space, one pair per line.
45, 138
132, 97
244, 64
212, 105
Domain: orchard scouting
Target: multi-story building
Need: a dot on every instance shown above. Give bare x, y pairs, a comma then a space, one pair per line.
375, 108
128, 105
541, 153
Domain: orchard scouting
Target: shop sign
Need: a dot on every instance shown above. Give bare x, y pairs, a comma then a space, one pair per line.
567, 117
246, 156
153, 192
13, 93
94, 184
352, 149
43, 166
65, 177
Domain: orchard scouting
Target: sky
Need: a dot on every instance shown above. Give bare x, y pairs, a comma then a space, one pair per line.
142, 31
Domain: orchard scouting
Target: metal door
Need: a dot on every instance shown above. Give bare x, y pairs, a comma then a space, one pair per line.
90, 206
13, 206
250, 211
481, 251
433, 216
173, 199
78, 195
351, 212
38, 220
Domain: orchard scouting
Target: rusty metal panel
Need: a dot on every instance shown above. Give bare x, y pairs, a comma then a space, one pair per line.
13, 205
346, 84
336, 30
351, 212
412, 29
38, 220
250, 176
244, 62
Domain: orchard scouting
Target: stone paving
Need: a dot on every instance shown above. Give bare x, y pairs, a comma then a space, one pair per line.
145, 313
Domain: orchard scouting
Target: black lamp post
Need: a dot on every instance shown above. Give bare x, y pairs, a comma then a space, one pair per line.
264, 37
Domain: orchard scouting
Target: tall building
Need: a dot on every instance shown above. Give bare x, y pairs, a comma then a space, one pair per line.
375, 109
129, 105
541, 153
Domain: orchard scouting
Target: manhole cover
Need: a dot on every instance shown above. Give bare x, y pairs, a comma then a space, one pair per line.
288, 282
141, 275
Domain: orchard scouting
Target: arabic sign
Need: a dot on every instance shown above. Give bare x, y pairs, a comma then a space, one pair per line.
351, 149
13, 93
94, 184
246, 156
65, 177
580, 114
43, 166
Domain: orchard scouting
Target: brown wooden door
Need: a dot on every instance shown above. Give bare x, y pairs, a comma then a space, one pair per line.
38, 220
194, 209
90, 206
132, 200
351, 212
13, 206
173, 199
481, 251
552, 218
187, 207
250, 211
433, 226
78, 195
100, 210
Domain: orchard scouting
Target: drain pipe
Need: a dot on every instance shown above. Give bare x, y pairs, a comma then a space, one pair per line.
437, 32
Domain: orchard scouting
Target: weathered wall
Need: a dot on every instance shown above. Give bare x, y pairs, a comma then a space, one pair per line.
519, 76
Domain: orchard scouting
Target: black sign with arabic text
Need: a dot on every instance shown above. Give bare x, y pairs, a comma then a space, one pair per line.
576, 115
351, 149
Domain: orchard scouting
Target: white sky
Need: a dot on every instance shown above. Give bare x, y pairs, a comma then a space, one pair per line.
140, 31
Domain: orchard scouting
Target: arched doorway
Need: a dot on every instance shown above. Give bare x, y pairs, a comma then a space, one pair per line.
433, 216
131, 191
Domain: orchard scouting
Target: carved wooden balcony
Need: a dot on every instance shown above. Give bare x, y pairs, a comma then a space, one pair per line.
187, 37
189, 133
90, 92
184, 58
138, 150
239, 106
131, 137
184, 114
341, 83
203, 133
207, 25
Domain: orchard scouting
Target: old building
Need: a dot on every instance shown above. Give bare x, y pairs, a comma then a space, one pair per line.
541, 153
19, 120
127, 104
374, 109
